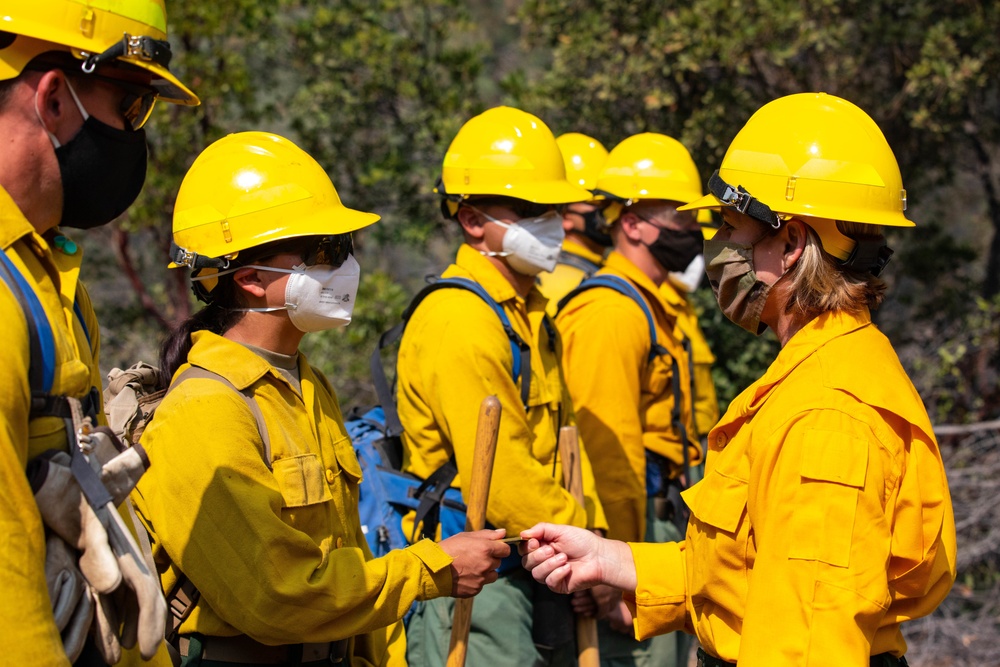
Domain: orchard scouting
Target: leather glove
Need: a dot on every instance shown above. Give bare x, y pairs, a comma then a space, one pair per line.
67, 513
72, 604
120, 467
138, 608
140, 604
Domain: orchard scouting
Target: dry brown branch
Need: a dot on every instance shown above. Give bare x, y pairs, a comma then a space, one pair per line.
965, 630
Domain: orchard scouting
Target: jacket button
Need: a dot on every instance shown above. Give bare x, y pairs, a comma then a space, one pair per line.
721, 439
340, 542
330, 476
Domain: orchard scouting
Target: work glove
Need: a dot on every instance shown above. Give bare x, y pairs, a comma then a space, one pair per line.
137, 608
137, 611
67, 513
120, 467
125, 615
72, 603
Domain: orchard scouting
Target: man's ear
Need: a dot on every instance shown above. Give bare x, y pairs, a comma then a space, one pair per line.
794, 237
248, 280
471, 223
629, 223
55, 105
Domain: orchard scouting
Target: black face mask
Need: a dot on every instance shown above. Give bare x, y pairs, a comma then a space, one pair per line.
595, 226
674, 249
103, 169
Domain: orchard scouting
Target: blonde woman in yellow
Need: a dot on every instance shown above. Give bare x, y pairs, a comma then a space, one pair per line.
824, 519
253, 503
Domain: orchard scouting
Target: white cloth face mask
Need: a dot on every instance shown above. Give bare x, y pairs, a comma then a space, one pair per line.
318, 297
531, 245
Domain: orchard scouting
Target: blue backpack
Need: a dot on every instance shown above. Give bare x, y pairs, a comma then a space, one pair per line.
655, 463
387, 493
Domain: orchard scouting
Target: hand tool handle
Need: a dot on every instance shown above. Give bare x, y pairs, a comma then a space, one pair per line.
487, 432
587, 651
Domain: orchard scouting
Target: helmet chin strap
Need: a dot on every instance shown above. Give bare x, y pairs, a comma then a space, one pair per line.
869, 254
742, 201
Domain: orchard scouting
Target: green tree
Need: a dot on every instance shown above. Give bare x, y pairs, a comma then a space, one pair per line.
925, 71
373, 90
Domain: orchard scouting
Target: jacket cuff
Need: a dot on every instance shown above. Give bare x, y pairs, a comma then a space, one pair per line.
659, 604
438, 564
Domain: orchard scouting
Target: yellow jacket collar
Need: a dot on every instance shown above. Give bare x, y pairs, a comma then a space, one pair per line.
13, 224
814, 335
624, 266
483, 272
231, 360
574, 248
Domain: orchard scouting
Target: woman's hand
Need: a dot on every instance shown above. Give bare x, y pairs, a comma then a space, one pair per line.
569, 559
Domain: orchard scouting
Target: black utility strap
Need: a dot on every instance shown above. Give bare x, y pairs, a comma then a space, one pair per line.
431, 493
742, 201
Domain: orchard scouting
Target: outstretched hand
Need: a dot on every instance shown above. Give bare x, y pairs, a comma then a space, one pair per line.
476, 556
569, 559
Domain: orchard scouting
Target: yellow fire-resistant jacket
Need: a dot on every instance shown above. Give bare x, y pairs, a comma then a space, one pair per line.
454, 353
277, 555
624, 401
27, 631
560, 281
824, 519
706, 403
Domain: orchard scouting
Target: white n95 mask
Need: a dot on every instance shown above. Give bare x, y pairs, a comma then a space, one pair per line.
318, 297
531, 245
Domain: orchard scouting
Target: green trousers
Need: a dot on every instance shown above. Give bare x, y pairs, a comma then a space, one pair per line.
670, 650
501, 629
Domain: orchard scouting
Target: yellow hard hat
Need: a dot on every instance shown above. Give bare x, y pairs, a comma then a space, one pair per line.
812, 155
96, 32
252, 188
583, 158
507, 152
648, 166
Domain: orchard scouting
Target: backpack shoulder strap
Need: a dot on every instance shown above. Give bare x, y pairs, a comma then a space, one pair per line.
247, 395
42, 349
583, 264
520, 351
42, 367
621, 286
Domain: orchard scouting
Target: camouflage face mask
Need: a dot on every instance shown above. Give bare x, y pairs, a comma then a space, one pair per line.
741, 295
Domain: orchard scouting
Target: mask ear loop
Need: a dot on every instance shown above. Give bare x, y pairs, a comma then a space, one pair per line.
505, 225
79, 105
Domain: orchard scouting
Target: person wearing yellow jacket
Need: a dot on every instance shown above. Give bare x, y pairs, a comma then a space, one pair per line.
634, 414
502, 177
587, 239
261, 518
824, 520
73, 101
706, 401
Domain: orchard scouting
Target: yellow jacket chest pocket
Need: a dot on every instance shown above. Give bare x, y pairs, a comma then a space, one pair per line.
302, 480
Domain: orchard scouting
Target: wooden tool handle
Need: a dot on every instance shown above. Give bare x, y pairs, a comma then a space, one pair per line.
487, 432
587, 651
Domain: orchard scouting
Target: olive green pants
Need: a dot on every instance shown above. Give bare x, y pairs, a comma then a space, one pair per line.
670, 650
500, 634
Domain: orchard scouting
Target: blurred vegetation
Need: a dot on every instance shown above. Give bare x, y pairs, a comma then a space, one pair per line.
376, 89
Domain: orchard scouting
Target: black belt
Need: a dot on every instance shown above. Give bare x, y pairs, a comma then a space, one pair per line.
242, 649
880, 660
